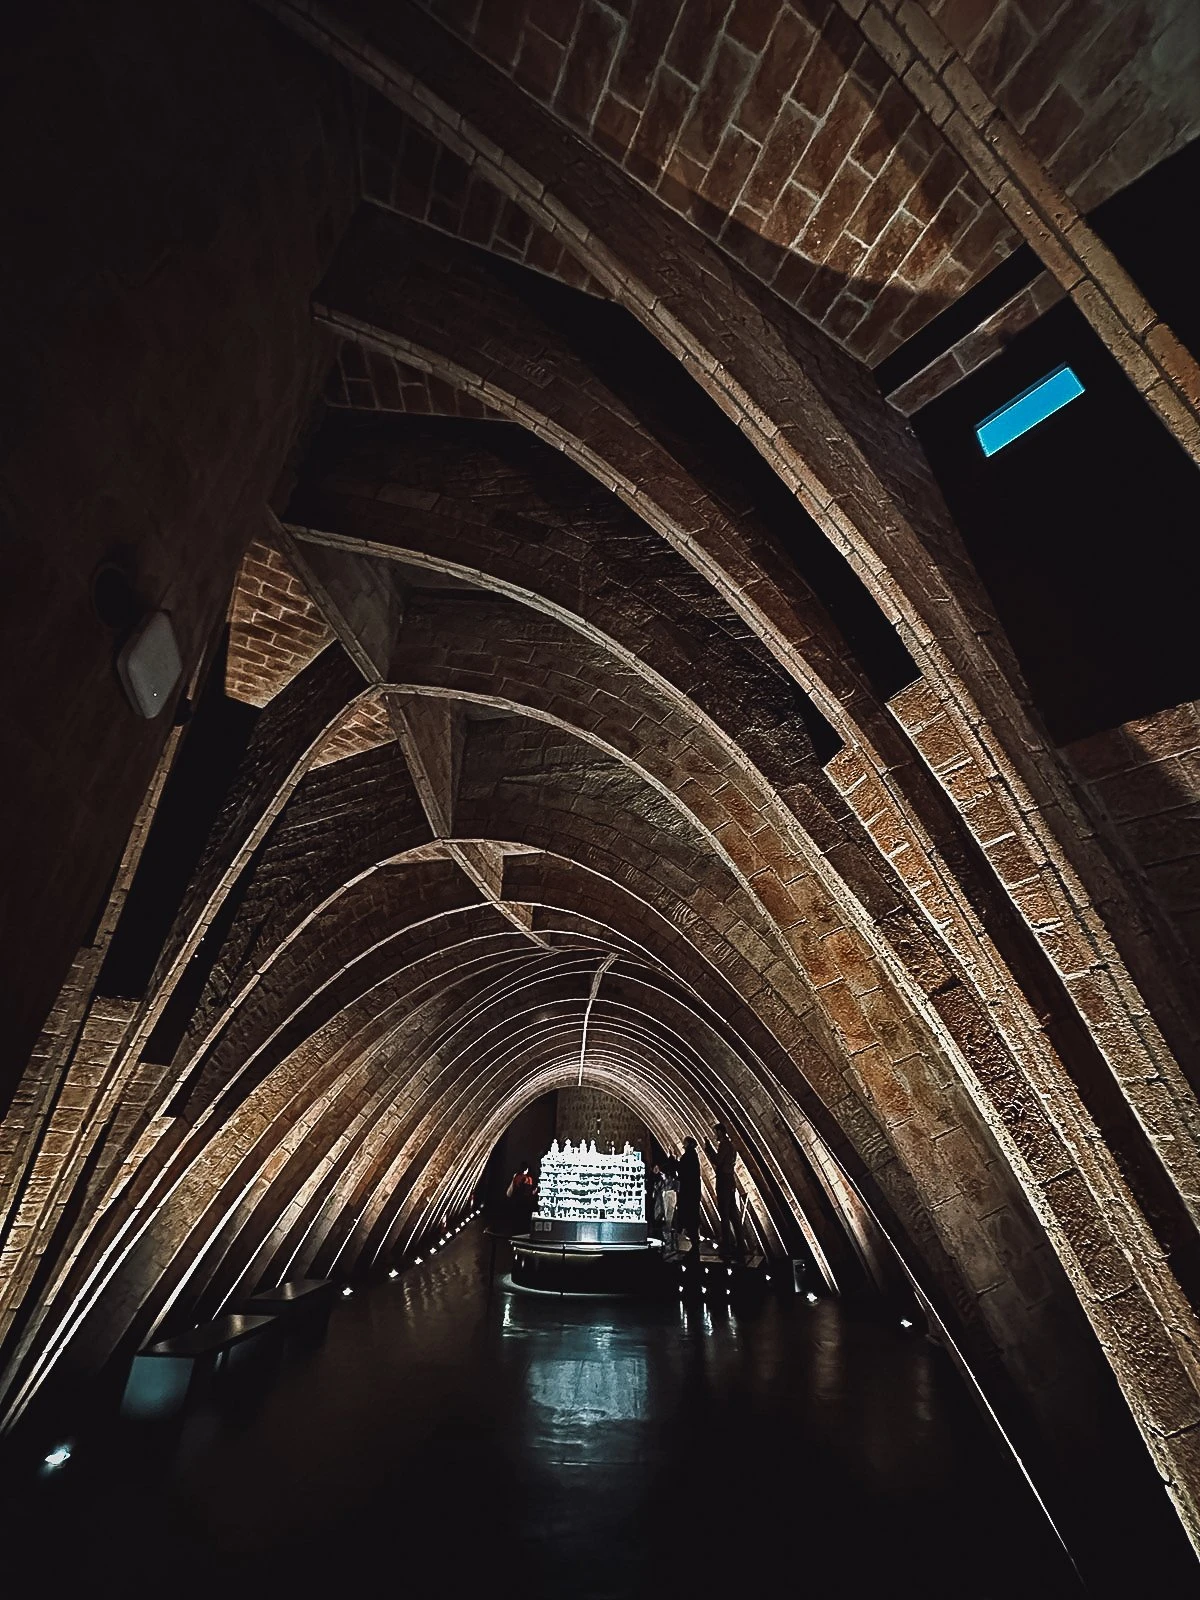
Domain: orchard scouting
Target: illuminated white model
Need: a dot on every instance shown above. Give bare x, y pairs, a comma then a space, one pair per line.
585, 1185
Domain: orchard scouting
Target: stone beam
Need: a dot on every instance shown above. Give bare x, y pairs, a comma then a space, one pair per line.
430, 729
980, 345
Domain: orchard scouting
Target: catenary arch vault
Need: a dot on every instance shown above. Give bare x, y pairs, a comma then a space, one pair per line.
578, 637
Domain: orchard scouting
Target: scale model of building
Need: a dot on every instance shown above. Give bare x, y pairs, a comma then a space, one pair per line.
583, 1184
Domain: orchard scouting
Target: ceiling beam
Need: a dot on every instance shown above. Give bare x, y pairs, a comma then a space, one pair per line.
431, 730
1161, 369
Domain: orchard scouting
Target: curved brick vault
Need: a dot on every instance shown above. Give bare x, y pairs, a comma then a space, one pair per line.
612, 652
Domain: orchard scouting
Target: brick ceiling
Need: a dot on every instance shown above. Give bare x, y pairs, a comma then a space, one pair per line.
625, 632
781, 133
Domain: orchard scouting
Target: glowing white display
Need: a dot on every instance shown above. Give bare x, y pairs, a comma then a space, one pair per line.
585, 1185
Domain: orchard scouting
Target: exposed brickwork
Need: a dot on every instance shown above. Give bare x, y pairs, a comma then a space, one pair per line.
1018, 774
1101, 91
275, 630
625, 612
1144, 780
383, 297
943, 83
370, 380
366, 728
894, 975
342, 820
591, 1114
777, 131
908, 554
409, 172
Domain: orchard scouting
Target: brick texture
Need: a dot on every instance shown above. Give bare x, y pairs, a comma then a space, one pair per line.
275, 630
540, 681
777, 131
1101, 91
580, 1112
1144, 780
407, 171
366, 728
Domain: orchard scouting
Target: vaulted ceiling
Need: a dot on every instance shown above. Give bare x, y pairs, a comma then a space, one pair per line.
611, 650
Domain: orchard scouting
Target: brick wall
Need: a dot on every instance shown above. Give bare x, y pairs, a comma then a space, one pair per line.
1144, 780
1101, 89
165, 356
275, 629
778, 131
585, 1113
368, 380
366, 728
408, 171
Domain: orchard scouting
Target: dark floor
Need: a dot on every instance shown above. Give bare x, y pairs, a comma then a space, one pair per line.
548, 1447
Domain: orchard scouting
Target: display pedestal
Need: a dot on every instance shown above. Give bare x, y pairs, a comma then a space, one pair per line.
573, 1268
585, 1230
588, 1235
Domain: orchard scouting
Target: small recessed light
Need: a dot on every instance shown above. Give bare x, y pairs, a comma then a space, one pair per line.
59, 1456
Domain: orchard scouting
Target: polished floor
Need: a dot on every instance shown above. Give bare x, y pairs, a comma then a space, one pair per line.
450, 1442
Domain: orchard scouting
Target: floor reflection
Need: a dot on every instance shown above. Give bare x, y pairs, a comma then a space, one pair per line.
591, 1390
536, 1446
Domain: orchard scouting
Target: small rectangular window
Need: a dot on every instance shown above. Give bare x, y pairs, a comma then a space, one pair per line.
1029, 408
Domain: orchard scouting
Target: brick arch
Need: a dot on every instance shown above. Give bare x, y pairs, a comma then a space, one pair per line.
622, 1073
572, 721
380, 1009
380, 493
160, 1261
613, 734
418, 647
961, 718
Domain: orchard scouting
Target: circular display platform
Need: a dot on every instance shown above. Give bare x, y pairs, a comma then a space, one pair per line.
585, 1230
566, 1267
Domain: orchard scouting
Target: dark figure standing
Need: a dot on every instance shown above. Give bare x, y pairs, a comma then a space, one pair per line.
522, 1198
724, 1159
687, 1209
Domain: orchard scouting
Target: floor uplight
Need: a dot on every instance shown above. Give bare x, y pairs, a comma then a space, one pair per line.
59, 1456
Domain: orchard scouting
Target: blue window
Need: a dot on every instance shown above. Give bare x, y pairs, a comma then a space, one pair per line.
1032, 406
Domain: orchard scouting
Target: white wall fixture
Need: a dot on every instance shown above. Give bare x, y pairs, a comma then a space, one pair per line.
149, 665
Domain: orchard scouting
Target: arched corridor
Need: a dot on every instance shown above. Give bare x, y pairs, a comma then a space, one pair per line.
537, 1445
620, 548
